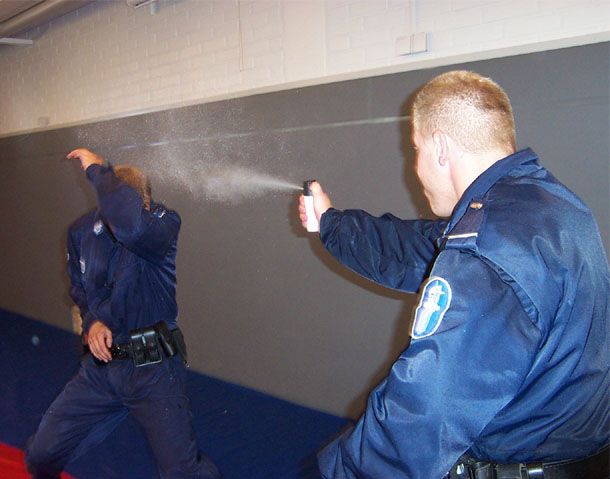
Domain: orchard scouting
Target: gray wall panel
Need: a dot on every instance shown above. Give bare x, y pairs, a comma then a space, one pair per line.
261, 302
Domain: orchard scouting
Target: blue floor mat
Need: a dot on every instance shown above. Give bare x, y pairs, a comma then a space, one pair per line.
249, 435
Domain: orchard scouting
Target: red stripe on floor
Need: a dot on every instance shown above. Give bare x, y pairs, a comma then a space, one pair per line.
12, 465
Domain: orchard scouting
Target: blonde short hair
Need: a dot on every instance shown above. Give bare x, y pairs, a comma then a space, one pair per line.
136, 179
474, 110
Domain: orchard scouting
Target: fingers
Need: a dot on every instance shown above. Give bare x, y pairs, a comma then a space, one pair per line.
315, 188
76, 153
99, 350
302, 212
321, 203
79, 154
99, 340
86, 157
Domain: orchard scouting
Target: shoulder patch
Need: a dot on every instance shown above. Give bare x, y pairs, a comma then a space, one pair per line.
98, 227
433, 304
158, 211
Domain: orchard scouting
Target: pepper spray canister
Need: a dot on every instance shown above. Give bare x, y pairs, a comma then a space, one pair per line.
312, 220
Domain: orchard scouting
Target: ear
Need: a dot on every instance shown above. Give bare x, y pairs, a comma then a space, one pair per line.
441, 147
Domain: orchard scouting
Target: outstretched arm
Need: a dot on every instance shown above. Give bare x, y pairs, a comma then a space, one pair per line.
85, 157
390, 251
149, 234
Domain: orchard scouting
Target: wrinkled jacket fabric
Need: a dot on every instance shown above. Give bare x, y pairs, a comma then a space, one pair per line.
123, 275
122, 264
518, 367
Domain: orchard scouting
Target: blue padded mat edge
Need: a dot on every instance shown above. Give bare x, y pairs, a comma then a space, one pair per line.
250, 435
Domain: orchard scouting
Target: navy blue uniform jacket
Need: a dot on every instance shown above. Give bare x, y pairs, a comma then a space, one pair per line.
516, 366
123, 275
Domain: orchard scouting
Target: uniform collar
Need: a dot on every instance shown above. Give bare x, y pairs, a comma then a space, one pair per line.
479, 187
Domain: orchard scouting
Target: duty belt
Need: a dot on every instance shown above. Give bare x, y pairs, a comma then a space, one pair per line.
592, 467
149, 345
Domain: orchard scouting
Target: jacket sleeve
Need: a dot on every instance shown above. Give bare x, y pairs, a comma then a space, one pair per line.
148, 233
77, 291
390, 251
446, 387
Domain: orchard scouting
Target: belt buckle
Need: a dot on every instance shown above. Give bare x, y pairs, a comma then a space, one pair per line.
145, 347
535, 470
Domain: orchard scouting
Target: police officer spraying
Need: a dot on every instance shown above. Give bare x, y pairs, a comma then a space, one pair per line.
507, 373
122, 267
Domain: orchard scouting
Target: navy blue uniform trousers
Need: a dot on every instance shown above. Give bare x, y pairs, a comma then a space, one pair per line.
99, 397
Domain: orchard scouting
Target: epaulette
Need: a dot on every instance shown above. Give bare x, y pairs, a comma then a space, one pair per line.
465, 233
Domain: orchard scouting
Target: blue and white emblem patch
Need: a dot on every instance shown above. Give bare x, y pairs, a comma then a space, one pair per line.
98, 227
433, 304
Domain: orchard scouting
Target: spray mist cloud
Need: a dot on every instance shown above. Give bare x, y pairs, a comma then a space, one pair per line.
221, 183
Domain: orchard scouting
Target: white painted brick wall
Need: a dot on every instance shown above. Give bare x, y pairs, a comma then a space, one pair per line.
108, 59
